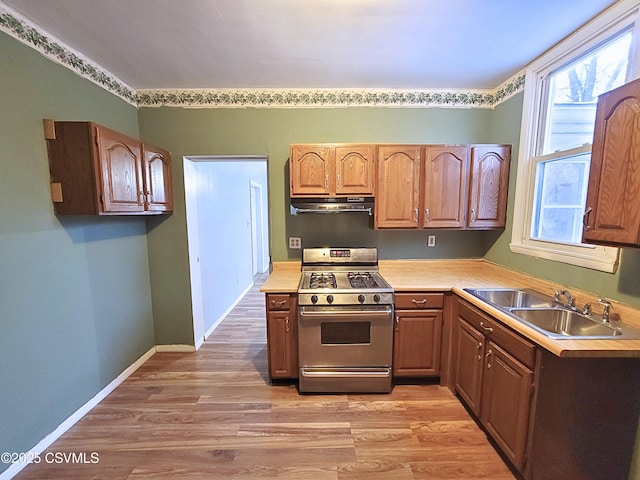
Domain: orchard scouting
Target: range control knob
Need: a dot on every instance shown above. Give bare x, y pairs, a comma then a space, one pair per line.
314, 298
361, 298
376, 298
330, 298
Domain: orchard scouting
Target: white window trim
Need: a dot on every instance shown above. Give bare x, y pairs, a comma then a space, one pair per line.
620, 15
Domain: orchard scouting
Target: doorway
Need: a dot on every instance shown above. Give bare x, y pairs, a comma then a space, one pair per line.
228, 237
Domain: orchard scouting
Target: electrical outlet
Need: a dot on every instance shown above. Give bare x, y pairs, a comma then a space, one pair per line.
431, 241
295, 242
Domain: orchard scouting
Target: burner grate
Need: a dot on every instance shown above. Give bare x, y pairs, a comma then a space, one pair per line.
362, 280
322, 280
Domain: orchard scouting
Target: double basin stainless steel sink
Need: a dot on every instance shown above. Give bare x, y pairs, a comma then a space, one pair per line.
550, 317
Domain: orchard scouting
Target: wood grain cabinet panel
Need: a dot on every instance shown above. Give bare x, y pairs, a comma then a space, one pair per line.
417, 337
330, 170
612, 216
158, 189
398, 190
282, 336
445, 186
98, 171
493, 381
489, 183
355, 170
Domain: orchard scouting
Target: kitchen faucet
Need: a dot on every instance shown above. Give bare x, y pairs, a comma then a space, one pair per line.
571, 301
606, 312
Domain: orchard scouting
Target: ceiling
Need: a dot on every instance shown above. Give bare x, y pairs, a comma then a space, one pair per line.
397, 44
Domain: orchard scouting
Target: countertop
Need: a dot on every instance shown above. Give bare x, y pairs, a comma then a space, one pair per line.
455, 275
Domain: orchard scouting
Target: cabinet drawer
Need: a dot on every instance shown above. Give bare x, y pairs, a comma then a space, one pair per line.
514, 344
278, 302
409, 301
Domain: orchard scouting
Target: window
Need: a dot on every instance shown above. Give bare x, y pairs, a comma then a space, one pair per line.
561, 92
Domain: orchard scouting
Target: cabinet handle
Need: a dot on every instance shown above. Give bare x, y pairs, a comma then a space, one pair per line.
427, 214
415, 216
478, 348
280, 303
397, 323
338, 180
419, 302
286, 324
473, 214
585, 218
326, 182
485, 328
487, 358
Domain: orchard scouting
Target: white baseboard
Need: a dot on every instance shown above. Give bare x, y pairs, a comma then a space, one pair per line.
219, 320
174, 348
43, 444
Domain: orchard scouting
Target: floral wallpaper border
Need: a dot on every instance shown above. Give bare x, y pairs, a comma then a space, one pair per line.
283, 98
27, 32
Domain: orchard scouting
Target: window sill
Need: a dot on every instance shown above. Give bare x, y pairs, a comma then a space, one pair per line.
604, 259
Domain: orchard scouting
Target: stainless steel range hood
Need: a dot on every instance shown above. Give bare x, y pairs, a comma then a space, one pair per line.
332, 205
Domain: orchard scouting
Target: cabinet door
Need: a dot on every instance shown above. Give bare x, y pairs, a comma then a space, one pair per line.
310, 170
469, 368
416, 343
397, 198
281, 339
506, 402
354, 167
158, 190
120, 162
489, 184
612, 215
445, 180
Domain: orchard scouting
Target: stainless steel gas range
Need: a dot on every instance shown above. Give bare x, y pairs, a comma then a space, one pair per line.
345, 322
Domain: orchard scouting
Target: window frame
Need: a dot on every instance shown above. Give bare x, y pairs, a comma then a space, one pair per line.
622, 15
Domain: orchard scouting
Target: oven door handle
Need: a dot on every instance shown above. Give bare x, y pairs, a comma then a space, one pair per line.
345, 372
332, 313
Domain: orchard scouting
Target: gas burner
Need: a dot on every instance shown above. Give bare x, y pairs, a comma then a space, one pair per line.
361, 280
322, 280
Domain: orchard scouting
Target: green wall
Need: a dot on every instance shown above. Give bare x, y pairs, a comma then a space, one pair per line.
187, 132
75, 302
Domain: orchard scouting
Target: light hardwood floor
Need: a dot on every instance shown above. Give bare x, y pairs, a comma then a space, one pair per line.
212, 414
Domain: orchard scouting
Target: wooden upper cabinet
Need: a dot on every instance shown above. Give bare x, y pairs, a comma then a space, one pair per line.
397, 199
354, 170
98, 171
158, 190
445, 174
120, 164
328, 170
310, 170
489, 186
612, 216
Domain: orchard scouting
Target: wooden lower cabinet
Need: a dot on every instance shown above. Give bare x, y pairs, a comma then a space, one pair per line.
282, 336
506, 402
417, 336
494, 377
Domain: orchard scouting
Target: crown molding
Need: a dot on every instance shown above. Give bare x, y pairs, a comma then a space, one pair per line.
31, 34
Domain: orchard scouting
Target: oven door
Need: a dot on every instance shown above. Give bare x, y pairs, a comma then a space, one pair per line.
345, 336
345, 349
